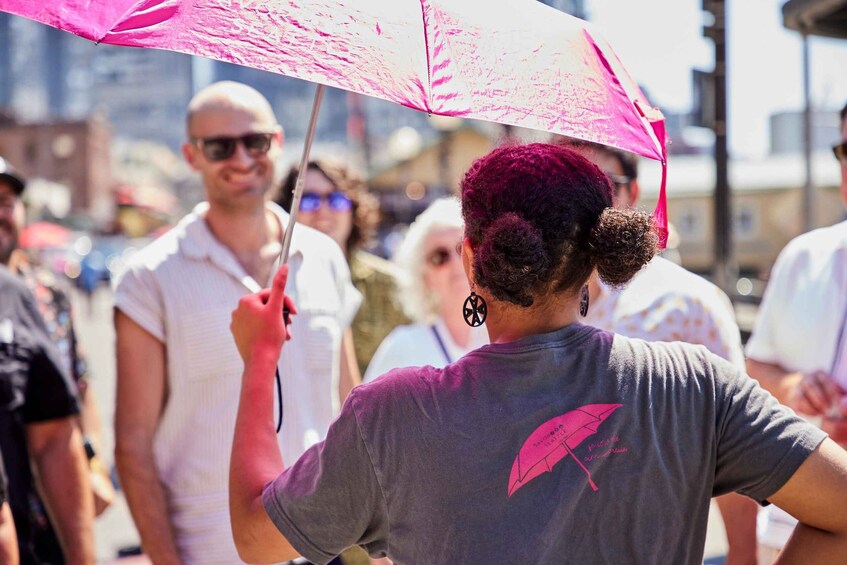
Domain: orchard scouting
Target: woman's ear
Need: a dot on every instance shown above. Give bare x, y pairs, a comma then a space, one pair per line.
467, 259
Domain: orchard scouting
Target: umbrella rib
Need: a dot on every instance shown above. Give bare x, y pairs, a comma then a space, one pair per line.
115, 24
428, 62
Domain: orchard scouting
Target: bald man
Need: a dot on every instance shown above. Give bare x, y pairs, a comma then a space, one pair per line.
179, 373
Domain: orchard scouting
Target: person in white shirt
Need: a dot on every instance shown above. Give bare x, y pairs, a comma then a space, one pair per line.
179, 372
432, 290
665, 302
798, 348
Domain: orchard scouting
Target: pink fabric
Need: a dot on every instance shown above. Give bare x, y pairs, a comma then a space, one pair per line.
554, 440
514, 62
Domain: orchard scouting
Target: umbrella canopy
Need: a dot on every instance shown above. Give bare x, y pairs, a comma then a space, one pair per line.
515, 62
43, 235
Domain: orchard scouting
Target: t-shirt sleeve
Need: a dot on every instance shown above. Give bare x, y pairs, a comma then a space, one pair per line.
330, 499
762, 345
137, 295
760, 443
50, 391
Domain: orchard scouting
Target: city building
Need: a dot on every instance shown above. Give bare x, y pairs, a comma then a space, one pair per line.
72, 154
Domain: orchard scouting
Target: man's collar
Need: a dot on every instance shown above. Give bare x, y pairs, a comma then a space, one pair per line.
198, 241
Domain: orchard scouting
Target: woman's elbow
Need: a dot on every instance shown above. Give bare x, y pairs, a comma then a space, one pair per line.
258, 541
249, 548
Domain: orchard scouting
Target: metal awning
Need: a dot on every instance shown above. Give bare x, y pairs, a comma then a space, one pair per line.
826, 18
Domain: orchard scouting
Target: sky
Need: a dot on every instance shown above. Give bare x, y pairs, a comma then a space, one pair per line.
659, 41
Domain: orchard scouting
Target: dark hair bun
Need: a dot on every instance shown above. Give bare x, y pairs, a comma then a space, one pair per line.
622, 242
511, 259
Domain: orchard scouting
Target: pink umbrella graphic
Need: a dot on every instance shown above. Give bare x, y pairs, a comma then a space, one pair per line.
515, 62
555, 439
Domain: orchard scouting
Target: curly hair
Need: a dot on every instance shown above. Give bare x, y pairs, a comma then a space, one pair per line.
343, 178
539, 219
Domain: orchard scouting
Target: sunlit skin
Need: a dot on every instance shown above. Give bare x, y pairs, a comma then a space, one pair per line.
336, 224
448, 281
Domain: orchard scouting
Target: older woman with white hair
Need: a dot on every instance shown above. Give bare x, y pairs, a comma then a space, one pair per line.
433, 287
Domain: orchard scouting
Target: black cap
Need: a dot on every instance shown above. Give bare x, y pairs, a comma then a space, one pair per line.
10, 175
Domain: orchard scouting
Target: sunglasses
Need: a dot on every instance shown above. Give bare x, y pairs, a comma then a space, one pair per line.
217, 149
619, 181
440, 256
840, 152
337, 200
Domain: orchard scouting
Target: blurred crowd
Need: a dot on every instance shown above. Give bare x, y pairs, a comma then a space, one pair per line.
358, 317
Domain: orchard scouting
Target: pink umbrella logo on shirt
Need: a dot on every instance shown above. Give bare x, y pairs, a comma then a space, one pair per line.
555, 439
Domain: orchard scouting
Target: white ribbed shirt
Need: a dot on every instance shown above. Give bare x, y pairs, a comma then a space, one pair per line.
182, 289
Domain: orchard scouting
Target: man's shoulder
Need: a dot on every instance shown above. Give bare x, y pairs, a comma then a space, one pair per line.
319, 251
820, 242
163, 250
669, 280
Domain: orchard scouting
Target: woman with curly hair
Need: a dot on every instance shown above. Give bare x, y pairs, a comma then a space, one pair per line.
336, 202
558, 442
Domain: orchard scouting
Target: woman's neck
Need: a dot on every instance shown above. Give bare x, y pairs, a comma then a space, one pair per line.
509, 322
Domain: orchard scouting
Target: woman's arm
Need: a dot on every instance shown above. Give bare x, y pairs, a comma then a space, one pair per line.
259, 332
817, 496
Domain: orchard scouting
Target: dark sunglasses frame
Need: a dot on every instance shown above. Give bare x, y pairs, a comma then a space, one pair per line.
221, 148
441, 255
840, 152
337, 200
619, 181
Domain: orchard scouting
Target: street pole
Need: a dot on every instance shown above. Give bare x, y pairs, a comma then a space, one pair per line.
808, 186
724, 272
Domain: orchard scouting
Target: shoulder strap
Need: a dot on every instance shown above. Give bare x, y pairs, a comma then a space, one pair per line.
441, 344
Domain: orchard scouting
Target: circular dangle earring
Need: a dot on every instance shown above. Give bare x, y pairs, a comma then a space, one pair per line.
583, 301
475, 310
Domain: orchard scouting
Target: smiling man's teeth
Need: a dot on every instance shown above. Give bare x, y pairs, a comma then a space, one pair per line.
238, 177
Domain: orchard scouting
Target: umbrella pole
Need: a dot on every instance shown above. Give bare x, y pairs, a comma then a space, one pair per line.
301, 174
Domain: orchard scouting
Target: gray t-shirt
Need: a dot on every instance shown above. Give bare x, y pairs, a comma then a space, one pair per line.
577, 446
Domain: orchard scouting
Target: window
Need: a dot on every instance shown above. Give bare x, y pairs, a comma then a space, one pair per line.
745, 221
690, 223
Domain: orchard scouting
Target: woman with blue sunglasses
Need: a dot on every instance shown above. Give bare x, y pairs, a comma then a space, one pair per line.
336, 202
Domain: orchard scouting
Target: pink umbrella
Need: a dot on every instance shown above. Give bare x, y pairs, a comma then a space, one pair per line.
44, 235
515, 62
